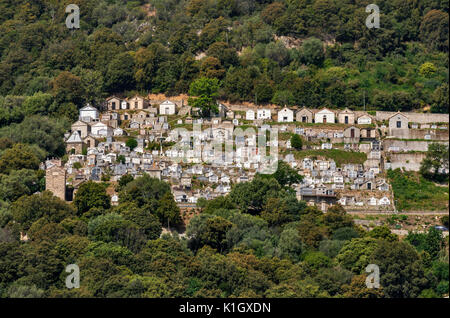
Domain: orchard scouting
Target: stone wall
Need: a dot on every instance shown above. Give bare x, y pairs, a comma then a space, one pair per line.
407, 161
421, 118
435, 134
55, 181
407, 145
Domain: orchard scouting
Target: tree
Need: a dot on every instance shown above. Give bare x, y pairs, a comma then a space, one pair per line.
91, 195
21, 291
144, 219
296, 142
211, 68
168, 211
433, 242
356, 253
18, 157
39, 103
402, 274
275, 212
382, 233
263, 92
278, 53
124, 180
283, 98
336, 218
119, 76
18, 183
440, 100
287, 176
67, 88
131, 143
148, 64
145, 191
226, 55
40, 132
345, 234
331, 248
205, 92
332, 280
312, 51
251, 197
28, 209
290, 244
358, 289
427, 69
444, 220
434, 30
113, 227
436, 162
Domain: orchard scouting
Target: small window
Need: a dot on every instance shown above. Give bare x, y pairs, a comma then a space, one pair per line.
399, 124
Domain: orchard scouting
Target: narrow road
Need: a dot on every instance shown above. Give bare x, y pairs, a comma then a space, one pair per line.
405, 213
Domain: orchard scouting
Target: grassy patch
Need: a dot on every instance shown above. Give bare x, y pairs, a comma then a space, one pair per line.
339, 156
414, 193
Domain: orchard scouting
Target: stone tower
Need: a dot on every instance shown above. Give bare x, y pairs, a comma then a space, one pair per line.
55, 181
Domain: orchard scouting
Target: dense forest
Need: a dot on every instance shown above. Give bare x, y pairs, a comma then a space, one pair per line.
259, 241
287, 52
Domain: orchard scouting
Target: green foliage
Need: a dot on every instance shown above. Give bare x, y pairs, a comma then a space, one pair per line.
144, 219
145, 191
382, 232
18, 183
286, 176
258, 241
290, 244
403, 272
205, 92
355, 254
113, 227
436, 160
168, 211
28, 209
91, 195
131, 143
55, 72
21, 291
414, 192
296, 142
18, 157
312, 52
44, 132
124, 180
427, 69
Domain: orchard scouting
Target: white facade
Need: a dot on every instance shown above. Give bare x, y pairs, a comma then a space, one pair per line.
167, 108
263, 114
373, 201
384, 201
89, 113
324, 116
285, 115
364, 120
250, 114
101, 129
